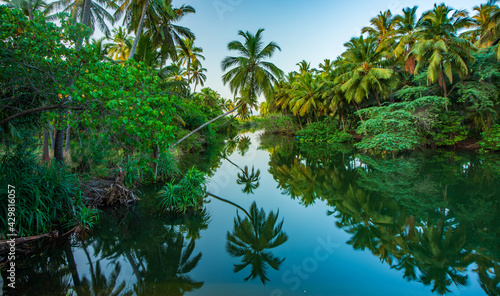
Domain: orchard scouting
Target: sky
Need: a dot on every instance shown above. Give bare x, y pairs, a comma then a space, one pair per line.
305, 30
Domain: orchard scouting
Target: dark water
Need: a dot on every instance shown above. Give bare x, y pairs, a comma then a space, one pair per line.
297, 220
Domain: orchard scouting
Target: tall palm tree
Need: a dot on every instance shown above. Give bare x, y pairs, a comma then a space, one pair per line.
88, 12
484, 13
366, 71
439, 49
164, 33
250, 180
405, 29
249, 73
382, 28
120, 45
252, 238
189, 54
28, 6
198, 76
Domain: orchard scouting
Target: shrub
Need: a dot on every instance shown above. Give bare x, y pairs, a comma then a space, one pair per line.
491, 139
323, 131
187, 194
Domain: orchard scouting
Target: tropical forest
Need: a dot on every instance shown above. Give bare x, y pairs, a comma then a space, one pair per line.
181, 147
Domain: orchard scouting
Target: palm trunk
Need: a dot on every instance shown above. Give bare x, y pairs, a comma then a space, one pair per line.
46, 156
205, 124
58, 146
30, 9
67, 147
139, 29
376, 97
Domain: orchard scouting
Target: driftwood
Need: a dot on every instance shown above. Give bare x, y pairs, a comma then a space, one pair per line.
106, 192
25, 244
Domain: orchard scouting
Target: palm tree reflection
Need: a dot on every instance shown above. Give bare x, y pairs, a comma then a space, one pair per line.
252, 238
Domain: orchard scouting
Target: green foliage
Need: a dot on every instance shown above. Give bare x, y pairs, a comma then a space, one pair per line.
323, 131
139, 171
450, 129
186, 194
45, 195
491, 139
399, 126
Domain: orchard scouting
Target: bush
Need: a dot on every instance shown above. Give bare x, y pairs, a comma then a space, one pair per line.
323, 131
45, 195
491, 139
449, 130
187, 194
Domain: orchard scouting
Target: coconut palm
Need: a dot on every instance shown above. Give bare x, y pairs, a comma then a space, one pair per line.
120, 45
95, 14
189, 54
306, 95
250, 180
439, 50
252, 238
198, 76
405, 29
162, 29
483, 14
28, 6
365, 71
248, 74
382, 29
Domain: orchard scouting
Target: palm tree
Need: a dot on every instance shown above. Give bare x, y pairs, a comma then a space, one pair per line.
382, 28
119, 49
251, 239
405, 29
28, 6
250, 180
439, 49
249, 74
162, 28
188, 54
486, 27
88, 12
199, 76
366, 71
306, 95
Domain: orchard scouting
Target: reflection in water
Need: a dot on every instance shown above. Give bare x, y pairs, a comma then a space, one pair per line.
249, 180
430, 216
252, 238
160, 259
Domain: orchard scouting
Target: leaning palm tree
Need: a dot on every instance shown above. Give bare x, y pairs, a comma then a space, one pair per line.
250, 180
252, 238
248, 74
439, 49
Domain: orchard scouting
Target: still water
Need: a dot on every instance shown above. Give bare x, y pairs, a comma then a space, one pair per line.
285, 218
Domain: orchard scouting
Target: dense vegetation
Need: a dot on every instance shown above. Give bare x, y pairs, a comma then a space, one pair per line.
408, 82
101, 110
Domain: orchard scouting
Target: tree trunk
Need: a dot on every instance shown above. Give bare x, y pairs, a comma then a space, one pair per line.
376, 97
58, 147
205, 124
139, 29
30, 9
46, 156
154, 155
74, 270
67, 147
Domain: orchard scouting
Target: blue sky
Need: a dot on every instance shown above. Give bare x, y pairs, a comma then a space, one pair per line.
305, 30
